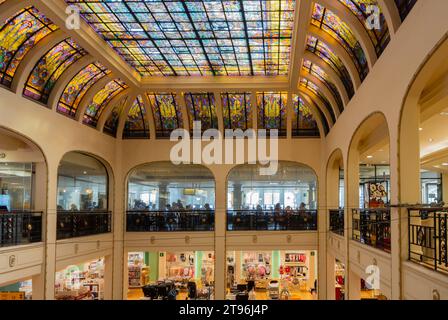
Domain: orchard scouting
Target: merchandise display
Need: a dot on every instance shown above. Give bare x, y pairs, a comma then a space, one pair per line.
340, 280
18, 291
81, 282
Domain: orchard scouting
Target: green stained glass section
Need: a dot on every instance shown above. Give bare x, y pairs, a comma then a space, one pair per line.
194, 37
272, 111
167, 114
339, 30
100, 101
136, 126
111, 124
18, 35
376, 27
236, 109
201, 107
50, 67
303, 121
78, 87
319, 73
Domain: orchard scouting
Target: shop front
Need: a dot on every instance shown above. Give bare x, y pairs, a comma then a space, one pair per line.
272, 274
22, 290
171, 275
84, 281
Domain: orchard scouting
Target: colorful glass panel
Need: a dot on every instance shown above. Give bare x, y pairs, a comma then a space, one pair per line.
303, 121
195, 37
404, 7
167, 115
324, 52
305, 83
78, 87
136, 126
111, 124
363, 10
339, 30
18, 35
272, 111
50, 67
236, 109
100, 101
319, 73
201, 107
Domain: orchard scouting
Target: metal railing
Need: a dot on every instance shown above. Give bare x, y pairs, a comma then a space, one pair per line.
20, 227
73, 224
372, 227
337, 221
164, 221
428, 238
271, 220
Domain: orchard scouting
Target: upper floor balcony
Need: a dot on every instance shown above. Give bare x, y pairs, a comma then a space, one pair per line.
372, 227
20, 227
337, 221
73, 224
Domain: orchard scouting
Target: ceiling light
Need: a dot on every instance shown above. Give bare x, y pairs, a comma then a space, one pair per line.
369, 157
444, 113
445, 164
431, 140
420, 129
85, 172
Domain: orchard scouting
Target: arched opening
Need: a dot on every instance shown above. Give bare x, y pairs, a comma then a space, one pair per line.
424, 165
166, 197
286, 200
83, 196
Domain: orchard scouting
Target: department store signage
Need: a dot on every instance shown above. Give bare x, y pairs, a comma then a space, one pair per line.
235, 147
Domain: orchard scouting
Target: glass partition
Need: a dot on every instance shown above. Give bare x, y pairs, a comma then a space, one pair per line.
16, 180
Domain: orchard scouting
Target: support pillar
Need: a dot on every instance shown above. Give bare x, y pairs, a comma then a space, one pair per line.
220, 236
354, 291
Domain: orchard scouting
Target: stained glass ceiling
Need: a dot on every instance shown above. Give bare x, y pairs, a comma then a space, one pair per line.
207, 37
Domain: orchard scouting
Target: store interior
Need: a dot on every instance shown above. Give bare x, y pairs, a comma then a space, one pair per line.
178, 275
272, 274
21, 290
84, 281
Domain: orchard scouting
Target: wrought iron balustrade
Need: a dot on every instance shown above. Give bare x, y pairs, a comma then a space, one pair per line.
73, 224
337, 221
20, 227
164, 221
271, 220
372, 227
428, 238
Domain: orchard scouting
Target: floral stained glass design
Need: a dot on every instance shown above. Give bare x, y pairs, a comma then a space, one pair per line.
201, 107
362, 9
338, 29
324, 52
111, 124
272, 111
18, 35
319, 73
237, 112
136, 126
196, 37
303, 122
50, 67
100, 101
404, 7
78, 87
167, 115
305, 83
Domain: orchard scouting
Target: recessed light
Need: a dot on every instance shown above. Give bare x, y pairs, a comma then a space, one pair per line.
420, 129
431, 140
445, 164
444, 113
369, 157
85, 172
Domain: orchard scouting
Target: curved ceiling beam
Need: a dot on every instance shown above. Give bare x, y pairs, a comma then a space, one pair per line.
339, 51
149, 116
319, 104
109, 108
324, 90
356, 26
331, 75
32, 58
219, 110
317, 115
124, 114
11, 7
391, 15
65, 79
93, 90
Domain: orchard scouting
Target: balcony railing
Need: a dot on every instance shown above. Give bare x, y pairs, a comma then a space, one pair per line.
337, 221
164, 221
372, 227
271, 220
428, 237
73, 224
18, 228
